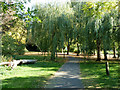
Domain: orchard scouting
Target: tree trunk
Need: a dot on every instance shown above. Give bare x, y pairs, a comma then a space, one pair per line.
118, 49
53, 48
114, 53
53, 55
56, 54
78, 50
68, 48
62, 50
119, 27
107, 68
98, 51
64, 54
44, 55
105, 55
48, 53
118, 53
94, 52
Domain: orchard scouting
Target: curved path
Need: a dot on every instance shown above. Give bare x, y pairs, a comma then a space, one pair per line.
68, 76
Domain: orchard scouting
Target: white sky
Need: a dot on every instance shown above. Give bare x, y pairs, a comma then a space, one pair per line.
33, 2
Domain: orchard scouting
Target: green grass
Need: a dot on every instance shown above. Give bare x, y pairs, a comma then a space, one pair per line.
38, 57
94, 75
31, 75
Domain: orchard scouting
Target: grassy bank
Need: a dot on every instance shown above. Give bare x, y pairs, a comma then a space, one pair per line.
94, 75
31, 75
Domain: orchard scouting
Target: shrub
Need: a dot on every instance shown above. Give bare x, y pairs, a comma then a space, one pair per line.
5, 58
71, 49
11, 46
75, 50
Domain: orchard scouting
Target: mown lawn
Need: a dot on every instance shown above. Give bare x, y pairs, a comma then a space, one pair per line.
93, 75
31, 75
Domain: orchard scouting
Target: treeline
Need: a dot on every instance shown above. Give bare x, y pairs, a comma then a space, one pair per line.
92, 26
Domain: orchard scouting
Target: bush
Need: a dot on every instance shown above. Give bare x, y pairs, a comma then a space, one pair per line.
5, 58
75, 50
20, 49
71, 49
11, 46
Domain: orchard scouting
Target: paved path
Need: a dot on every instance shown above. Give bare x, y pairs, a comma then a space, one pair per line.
68, 76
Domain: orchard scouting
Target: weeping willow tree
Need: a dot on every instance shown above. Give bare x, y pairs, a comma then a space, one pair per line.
90, 23
55, 29
94, 14
106, 28
114, 15
84, 28
78, 24
84, 24
96, 28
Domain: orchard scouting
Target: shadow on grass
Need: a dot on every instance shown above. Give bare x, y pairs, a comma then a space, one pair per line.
43, 64
37, 57
94, 76
42, 61
29, 76
24, 82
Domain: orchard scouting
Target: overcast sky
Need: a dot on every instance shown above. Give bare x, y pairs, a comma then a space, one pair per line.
33, 2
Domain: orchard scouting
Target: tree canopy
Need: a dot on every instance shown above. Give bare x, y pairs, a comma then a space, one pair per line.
51, 27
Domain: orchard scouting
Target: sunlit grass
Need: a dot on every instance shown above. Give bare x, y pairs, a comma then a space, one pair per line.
31, 75
94, 75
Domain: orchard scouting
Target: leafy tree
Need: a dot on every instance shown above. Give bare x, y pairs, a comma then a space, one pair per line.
105, 30
55, 29
97, 11
11, 46
13, 25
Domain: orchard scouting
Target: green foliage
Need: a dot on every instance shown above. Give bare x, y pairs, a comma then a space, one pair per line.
85, 23
55, 29
11, 46
5, 58
12, 12
13, 26
93, 23
75, 50
52, 27
105, 30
